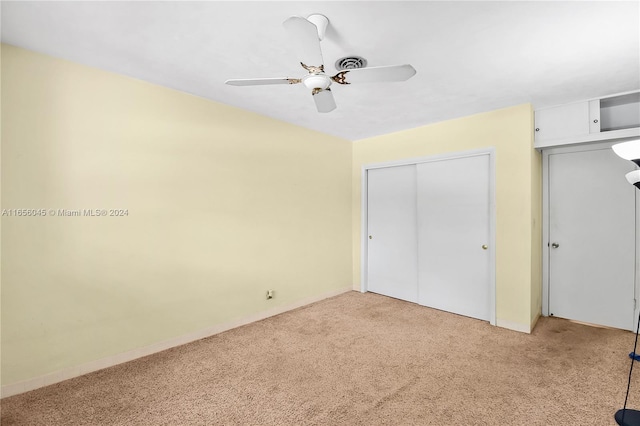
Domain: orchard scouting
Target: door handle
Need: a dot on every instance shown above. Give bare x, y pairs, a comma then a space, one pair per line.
484, 247
555, 245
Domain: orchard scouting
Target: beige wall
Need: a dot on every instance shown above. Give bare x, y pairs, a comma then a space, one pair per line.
222, 205
510, 132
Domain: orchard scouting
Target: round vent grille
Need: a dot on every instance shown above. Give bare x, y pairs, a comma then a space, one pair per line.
350, 63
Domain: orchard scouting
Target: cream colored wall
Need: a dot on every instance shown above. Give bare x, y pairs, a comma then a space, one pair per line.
222, 205
510, 132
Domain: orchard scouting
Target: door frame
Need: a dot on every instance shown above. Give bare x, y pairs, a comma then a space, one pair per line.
364, 254
545, 219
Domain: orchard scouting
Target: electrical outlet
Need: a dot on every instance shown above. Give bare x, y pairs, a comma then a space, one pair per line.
269, 294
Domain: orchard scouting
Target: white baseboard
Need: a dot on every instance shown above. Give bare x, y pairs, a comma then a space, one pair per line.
515, 326
71, 372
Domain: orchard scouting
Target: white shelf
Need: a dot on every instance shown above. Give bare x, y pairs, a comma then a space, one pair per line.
588, 121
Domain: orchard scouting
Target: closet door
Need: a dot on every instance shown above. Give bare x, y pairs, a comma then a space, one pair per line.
453, 235
392, 239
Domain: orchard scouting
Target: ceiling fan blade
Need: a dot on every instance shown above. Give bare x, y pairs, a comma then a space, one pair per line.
375, 74
324, 100
303, 36
261, 81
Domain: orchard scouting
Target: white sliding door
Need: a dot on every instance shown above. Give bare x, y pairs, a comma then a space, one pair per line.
453, 201
392, 234
428, 237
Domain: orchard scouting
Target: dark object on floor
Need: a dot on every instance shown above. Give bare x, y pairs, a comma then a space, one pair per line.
631, 417
626, 417
634, 355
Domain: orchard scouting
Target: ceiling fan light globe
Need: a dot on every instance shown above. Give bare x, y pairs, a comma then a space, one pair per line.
316, 81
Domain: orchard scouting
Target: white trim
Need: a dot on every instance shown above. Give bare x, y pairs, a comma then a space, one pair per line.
79, 370
439, 157
492, 237
545, 232
515, 326
430, 158
364, 226
545, 219
591, 137
615, 95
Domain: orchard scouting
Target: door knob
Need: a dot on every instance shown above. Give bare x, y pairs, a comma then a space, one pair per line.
371, 237
555, 245
484, 247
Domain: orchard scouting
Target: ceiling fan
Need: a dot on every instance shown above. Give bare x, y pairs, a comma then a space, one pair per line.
305, 36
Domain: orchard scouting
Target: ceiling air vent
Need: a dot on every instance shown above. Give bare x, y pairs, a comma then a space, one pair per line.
350, 63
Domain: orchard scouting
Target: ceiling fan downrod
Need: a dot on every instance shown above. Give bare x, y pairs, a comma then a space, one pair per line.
321, 22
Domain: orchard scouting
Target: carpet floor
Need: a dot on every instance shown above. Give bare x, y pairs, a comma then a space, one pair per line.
356, 359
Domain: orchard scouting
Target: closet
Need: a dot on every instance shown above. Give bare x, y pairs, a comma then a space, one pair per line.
429, 233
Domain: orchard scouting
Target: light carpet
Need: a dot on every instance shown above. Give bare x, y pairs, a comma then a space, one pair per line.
356, 359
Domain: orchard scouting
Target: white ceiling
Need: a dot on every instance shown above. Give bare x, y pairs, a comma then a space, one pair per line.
470, 57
